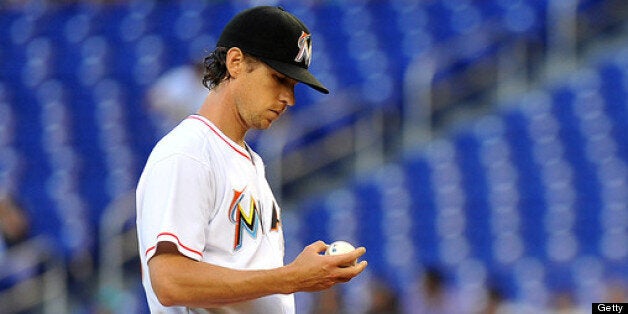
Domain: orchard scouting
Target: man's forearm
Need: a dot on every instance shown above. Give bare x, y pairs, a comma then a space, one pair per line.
178, 280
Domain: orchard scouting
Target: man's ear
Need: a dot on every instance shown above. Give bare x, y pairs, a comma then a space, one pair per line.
234, 61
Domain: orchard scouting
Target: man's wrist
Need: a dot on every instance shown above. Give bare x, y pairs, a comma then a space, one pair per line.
286, 280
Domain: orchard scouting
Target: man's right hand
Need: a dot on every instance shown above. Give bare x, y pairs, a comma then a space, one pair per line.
312, 271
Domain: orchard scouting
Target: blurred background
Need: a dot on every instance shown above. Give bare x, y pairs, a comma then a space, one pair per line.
478, 149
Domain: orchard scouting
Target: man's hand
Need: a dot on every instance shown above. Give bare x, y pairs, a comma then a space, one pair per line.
313, 271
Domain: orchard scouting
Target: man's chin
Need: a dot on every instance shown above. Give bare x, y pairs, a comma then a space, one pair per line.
262, 126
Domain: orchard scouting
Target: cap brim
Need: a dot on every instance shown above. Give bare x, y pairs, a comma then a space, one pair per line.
298, 73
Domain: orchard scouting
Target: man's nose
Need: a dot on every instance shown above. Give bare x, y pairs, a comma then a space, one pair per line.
287, 96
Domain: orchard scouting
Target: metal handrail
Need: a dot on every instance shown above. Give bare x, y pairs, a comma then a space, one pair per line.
38, 277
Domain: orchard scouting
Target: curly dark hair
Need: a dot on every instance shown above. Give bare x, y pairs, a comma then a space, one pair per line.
215, 65
215, 68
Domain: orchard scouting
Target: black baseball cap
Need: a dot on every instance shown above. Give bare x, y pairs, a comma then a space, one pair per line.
276, 37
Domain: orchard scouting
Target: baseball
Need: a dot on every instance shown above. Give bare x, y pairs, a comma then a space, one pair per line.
341, 247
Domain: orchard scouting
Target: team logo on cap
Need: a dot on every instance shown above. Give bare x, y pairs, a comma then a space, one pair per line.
305, 49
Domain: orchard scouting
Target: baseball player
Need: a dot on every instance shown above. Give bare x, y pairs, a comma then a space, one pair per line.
209, 228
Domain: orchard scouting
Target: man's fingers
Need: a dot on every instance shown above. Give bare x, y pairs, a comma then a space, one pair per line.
350, 257
350, 272
361, 266
318, 246
359, 252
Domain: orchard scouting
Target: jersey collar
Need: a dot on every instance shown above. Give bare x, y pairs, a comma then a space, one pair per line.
237, 148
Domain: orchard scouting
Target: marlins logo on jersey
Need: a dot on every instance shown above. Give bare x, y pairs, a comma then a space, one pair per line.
246, 218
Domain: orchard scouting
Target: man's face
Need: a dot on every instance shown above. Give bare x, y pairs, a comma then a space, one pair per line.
264, 94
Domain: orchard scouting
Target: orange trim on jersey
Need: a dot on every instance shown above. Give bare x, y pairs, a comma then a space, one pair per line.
178, 242
220, 136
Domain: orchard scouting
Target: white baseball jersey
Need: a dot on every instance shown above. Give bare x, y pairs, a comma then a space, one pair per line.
209, 196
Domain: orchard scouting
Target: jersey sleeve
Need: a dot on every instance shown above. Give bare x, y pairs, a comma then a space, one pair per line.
175, 205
